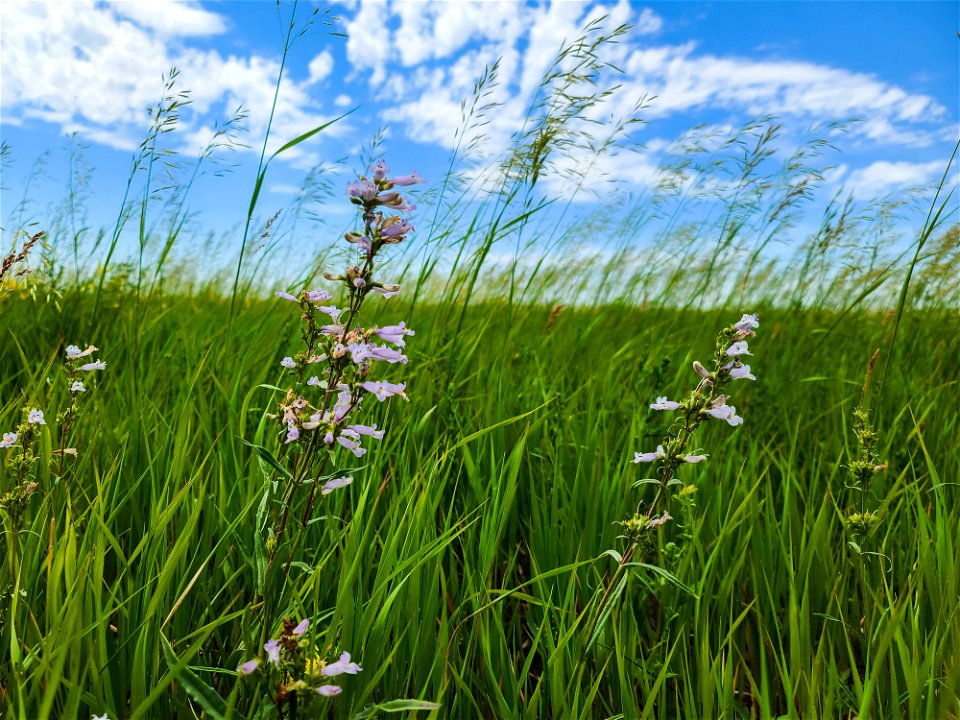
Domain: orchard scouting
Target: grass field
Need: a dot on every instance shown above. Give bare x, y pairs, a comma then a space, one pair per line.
477, 566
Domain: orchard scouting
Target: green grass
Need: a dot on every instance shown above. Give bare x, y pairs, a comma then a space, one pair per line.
466, 564
459, 565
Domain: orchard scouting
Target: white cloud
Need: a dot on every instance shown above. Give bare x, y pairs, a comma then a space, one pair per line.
882, 177
172, 17
649, 22
90, 67
321, 66
445, 47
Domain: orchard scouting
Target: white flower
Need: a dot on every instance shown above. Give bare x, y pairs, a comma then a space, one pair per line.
738, 348
314, 381
694, 459
725, 412
649, 456
747, 324
288, 362
73, 352
343, 665
9, 440
336, 484
663, 404
77, 387
741, 372
36, 418
95, 365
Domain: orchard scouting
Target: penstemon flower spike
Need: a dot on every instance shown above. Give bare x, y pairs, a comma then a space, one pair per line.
319, 417
707, 401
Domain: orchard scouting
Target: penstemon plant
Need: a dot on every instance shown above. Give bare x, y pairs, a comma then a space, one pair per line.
334, 372
24, 440
709, 400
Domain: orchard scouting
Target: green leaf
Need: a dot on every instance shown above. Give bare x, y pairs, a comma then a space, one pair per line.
208, 698
395, 706
268, 457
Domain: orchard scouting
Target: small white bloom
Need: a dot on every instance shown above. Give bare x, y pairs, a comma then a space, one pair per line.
336, 484
738, 348
741, 372
73, 352
288, 362
9, 440
36, 418
747, 323
649, 456
694, 459
314, 381
343, 665
663, 404
77, 387
95, 365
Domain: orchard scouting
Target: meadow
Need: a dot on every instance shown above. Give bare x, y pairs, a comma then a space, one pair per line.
478, 564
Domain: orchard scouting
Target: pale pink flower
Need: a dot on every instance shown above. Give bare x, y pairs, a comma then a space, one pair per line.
316, 296
394, 334
388, 290
700, 370
694, 459
329, 690
379, 170
383, 389
657, 522
9, 440
352, 446
406, 180
382, 352
369, 430
285, 296
248, 667
301, 627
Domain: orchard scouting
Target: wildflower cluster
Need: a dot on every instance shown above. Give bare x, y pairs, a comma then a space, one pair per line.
708, 401
861, 522
294, 668
24, 438
336, 369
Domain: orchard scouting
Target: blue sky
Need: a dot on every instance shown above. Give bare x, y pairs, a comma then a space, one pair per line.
91, 69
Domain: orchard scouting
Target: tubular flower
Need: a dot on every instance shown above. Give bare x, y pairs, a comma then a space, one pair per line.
649, 456
663, 404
